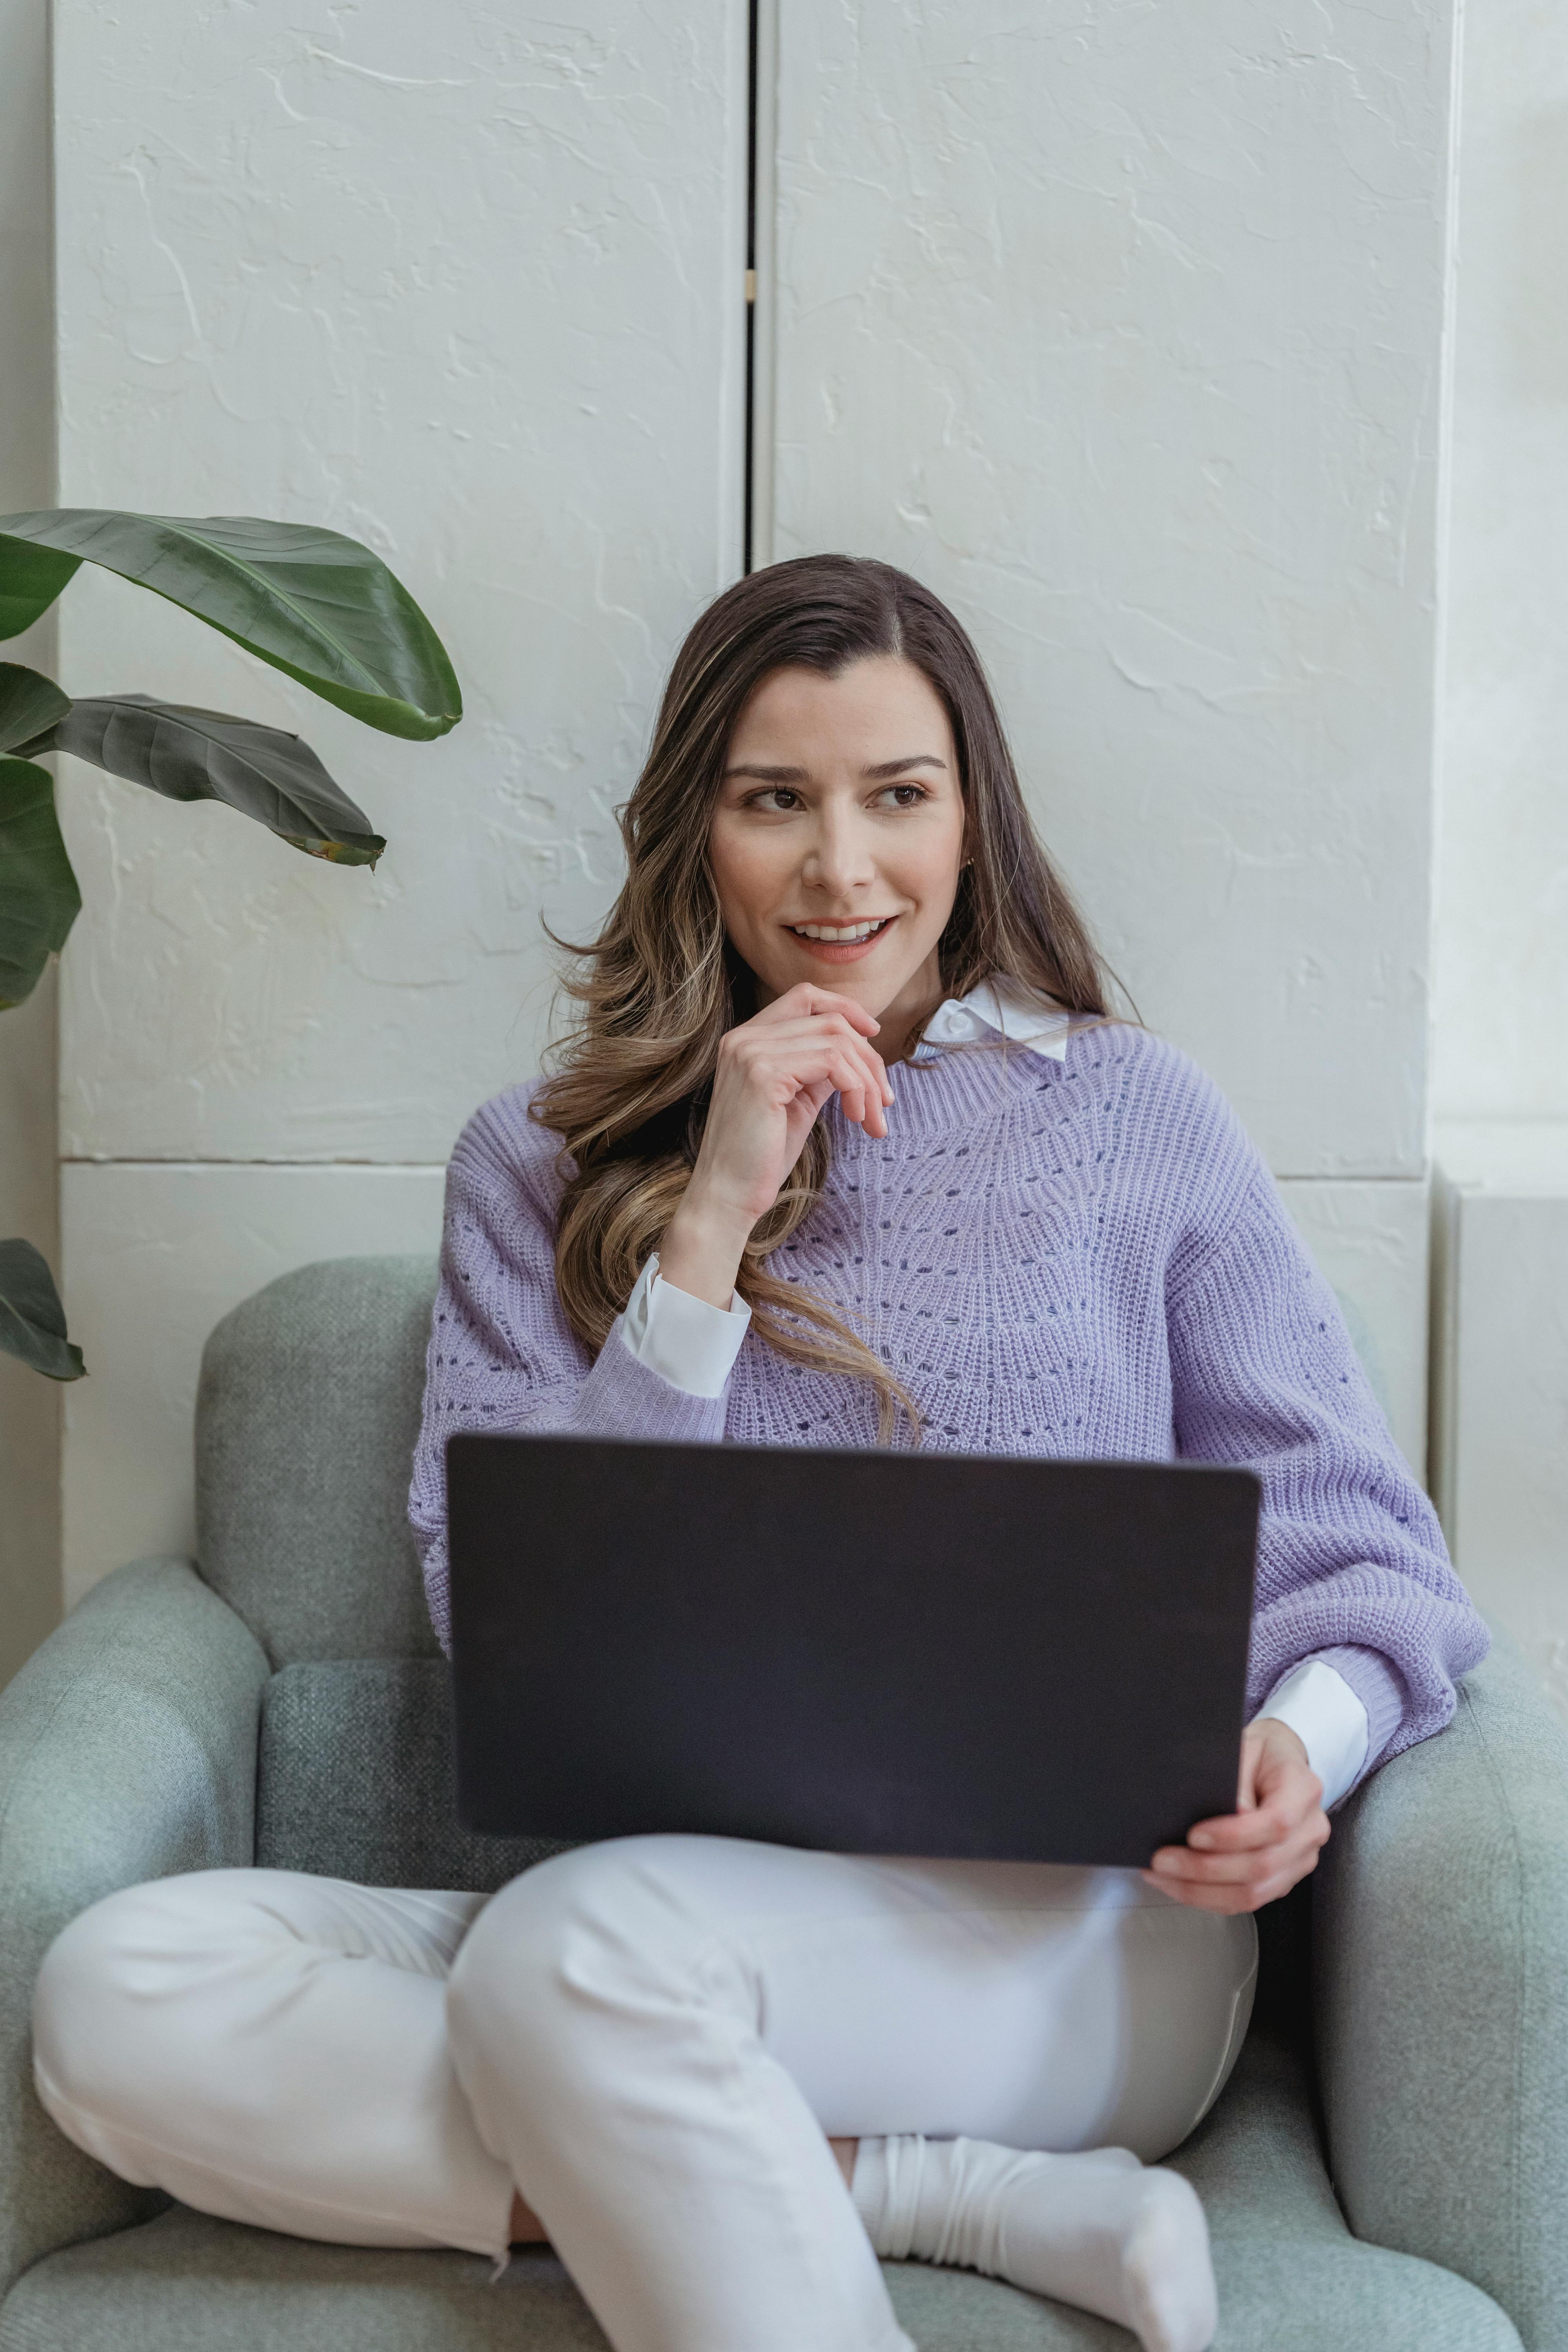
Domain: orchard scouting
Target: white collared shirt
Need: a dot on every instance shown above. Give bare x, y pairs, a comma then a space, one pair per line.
998, 1008
693, 1346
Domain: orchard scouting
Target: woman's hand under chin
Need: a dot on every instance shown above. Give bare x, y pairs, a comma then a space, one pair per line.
1252, 1856
774, 1073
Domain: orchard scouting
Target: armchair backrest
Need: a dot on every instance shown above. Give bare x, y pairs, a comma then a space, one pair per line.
306, 1417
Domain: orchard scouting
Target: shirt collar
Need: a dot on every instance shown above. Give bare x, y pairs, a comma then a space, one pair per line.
999, 1007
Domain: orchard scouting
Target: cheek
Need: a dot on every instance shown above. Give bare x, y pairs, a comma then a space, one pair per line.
744, 875
933, 862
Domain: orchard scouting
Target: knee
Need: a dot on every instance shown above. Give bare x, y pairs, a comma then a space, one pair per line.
83, 2028
107, 2016
584, 1945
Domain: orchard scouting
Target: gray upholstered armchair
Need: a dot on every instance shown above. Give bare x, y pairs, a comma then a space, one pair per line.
284, 1703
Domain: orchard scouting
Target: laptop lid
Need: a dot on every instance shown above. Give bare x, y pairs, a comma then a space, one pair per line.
884, 1653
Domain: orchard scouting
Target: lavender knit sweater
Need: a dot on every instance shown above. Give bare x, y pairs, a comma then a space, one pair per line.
1083, 1257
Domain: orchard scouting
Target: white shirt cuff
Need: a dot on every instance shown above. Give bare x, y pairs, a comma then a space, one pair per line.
1327, 1719
685, 1341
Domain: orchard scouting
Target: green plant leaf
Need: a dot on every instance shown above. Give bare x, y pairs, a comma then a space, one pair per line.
318, 606
204, 755
32, 1321
30, 704
30, 580
40, 901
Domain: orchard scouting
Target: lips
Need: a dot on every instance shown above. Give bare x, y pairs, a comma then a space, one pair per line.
842, 934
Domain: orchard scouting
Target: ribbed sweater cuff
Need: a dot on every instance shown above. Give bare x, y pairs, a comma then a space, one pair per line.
624, 1398
1380, 1691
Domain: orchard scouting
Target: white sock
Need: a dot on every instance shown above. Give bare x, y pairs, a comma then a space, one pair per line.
1101, 2230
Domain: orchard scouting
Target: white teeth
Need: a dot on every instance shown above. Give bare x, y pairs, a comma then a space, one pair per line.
840, 931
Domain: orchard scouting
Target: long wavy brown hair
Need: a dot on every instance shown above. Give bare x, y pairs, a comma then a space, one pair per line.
628, 1090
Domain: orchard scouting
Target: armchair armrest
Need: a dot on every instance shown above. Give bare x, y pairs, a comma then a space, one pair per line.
127, 1752
1441, 1960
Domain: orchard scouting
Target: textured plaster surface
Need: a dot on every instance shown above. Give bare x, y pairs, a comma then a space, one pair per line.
466, 283
1122, 326
155, 1255
1501, 968
1501, 1422
29, 1407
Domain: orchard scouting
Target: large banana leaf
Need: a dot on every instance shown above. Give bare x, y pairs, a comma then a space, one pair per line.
30, 580
40, 901
30, 704
318, 606
205, 755
32, 1321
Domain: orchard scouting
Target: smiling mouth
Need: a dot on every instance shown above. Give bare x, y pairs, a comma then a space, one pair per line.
842, 933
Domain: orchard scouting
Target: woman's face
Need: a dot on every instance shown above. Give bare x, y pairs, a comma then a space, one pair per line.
839, 836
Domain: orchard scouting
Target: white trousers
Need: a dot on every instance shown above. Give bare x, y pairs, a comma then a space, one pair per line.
652, 2038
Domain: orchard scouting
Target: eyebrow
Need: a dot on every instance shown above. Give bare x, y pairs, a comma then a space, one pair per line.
877, 775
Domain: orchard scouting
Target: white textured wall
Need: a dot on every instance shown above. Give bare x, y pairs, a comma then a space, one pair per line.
29, 1407
1122, 328
1502, 930
1500, 1071
1501, 1418
466, 283
160, 1251
449, 280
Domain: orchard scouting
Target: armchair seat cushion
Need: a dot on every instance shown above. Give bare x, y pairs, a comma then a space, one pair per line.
1291, 2277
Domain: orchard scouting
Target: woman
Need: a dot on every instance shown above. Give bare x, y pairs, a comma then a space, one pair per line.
846, 1148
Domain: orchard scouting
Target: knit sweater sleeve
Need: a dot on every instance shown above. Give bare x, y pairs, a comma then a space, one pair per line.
1351, 1566
502, 1354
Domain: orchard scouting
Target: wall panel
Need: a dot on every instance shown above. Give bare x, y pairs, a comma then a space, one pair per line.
466, 283
1501, 1365
1122, 327
158, 1252
1502, 935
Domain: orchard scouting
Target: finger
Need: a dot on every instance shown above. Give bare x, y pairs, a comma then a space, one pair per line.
817, 1002
809, 1035
879, 1092
1182, 1861
787, 1062
1230, 1869
787, 1022
861, 1095
1175, 1864
1229, 1901
1288, 1861
1295, 1799
856, 1078
856, 1014
797, 1003
807, 1104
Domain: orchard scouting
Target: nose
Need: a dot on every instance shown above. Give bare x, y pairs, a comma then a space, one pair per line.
839, 862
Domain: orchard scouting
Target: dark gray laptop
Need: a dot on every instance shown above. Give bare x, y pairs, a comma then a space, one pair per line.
867, 1652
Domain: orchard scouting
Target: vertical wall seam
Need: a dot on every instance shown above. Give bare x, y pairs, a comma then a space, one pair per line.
762, 334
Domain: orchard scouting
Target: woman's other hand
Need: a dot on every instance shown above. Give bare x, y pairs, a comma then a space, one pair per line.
1253, 1855
774, 1073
